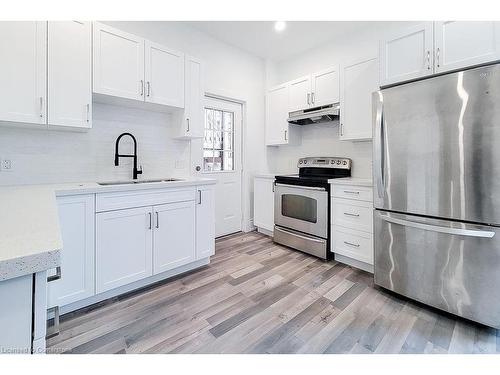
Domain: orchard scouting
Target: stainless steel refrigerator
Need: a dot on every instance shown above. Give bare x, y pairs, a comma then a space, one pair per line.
436, 170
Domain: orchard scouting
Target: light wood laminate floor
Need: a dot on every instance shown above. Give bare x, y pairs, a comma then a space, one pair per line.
259, 297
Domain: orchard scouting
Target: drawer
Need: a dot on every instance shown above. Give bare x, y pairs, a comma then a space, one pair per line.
140, 198
359, 193
352, 214
353, 244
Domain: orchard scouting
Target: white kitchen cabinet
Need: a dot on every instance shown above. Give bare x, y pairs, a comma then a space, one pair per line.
173, 235
407, 54
277, 126
263, 203
70, 74
205, 221
458, 44
359, 80
123, 247
299, 96
164, 75
76, 217
23, 77
325, 87
118, 63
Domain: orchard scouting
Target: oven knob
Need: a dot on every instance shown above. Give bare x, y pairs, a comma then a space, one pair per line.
333, 161
305, 161
338, 161
344, 162
300, 161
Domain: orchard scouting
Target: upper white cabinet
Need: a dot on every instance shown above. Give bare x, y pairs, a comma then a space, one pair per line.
70, 74
76, 215
164, 75
299, 94
359, 80
118, 63
277, 127
407, 54
205, 222
464, 43
23, 77
325, 87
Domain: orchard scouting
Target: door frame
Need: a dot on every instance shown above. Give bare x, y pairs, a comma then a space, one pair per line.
246, 222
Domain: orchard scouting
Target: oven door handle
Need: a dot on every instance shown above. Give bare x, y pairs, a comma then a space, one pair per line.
301, 187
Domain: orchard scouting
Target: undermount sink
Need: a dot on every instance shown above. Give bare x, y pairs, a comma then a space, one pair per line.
138, 181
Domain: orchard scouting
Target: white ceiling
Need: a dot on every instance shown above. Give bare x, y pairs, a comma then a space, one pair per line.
260, 38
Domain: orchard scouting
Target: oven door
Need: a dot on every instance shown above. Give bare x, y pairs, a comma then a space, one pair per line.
302, 208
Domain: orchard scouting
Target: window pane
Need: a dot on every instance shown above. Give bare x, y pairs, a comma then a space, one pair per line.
217, 120
209, 118
208, 160
227, 140
217, 166
218, 140
228, 121
208, 141
228, 161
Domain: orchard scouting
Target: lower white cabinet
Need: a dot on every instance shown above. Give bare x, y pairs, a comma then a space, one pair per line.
263, 203
205, 221
123, 247
76, 216
173, 235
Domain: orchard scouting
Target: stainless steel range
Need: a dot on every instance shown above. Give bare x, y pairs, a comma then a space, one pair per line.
302, 204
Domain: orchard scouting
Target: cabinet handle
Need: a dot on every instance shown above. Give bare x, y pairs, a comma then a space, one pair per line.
54, 329
157, 220
437, 56
308, 98
142, 87
341, 130
88, 112
55, 277
150, 221
428, 60
149, 88
351, 244
187, 120
350, 214
199, 196
351, 192
41, 106
312, 98
286, 139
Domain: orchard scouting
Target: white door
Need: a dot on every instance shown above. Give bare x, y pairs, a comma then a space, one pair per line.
118, 63
76, 214
123, 247
23, 51
358, 81
325, 87
173, 235
277, 115
407, 54
164, 72
194, 94
464, 43
300, 94
70, 74
218, 156
205, 221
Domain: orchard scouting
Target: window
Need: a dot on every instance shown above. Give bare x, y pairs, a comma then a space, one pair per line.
218, 142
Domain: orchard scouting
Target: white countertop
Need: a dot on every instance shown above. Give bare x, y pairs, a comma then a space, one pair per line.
30, 236
351, 181
266, 175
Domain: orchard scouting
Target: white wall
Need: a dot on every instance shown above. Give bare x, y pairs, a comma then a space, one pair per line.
323, 139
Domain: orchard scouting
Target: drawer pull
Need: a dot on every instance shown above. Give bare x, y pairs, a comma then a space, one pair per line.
351, 192
351, 244
350, 214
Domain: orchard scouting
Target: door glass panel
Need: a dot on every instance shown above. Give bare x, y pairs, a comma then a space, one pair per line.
218, 142
299, 207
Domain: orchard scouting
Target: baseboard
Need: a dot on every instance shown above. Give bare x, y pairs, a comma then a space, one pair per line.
354, 263
269, 233
248, 226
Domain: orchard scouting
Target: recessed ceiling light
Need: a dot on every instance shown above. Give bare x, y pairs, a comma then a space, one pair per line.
279, 26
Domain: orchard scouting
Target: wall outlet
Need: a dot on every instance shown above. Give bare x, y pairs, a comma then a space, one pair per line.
6, 165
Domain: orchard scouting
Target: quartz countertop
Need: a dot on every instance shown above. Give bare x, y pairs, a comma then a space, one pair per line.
355, 181
30, 235
266, 175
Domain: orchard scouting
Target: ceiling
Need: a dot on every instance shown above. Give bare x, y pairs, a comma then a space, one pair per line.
260, 38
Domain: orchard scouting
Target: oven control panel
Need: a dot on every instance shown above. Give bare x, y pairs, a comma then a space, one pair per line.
325, 162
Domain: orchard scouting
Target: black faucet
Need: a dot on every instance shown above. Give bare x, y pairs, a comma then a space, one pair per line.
117, 155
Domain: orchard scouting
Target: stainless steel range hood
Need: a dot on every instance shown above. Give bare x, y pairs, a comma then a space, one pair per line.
316, 115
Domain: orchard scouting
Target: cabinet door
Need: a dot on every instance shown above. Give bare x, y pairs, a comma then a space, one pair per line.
299, 94
277, 115
459, 44
325, 87
118, 63
164, 72
195, 90
205, 222
174, 235
123, 247
407, 54
263, 203
23, 77
358, 81
76, 215
70, 74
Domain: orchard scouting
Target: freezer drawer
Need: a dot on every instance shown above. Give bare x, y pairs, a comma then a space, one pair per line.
449, 265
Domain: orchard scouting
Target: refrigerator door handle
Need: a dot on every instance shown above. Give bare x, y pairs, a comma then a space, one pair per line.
439, 229
378, 131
